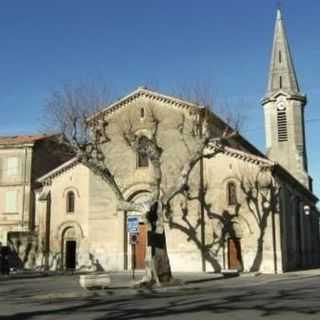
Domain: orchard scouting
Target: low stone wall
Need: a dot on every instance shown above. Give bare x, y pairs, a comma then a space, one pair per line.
95, 281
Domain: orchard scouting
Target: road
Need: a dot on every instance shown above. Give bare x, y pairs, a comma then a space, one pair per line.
60, 297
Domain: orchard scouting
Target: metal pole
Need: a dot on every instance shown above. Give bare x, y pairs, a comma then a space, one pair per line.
202, 213
133, 260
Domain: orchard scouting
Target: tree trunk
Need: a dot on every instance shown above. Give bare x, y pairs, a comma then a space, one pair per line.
161, 262
157, 265
158, 268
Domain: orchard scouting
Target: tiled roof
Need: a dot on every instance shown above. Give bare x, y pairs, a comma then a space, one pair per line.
11, 140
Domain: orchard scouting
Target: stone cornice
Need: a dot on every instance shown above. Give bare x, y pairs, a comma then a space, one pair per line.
235, 153
266, 163
152, 95
273, 97
47, 178
16, 146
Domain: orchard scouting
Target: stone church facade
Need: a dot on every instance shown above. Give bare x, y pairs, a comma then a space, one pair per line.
242, 210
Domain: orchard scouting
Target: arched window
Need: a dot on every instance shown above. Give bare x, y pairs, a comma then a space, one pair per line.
70, 202
232, 193
142, 157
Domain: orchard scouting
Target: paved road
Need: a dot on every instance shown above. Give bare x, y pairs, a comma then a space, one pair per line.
267, 297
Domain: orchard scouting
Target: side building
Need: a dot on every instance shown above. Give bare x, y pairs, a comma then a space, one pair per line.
23, 159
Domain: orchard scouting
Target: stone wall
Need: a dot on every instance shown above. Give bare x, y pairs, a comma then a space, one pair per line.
201, 222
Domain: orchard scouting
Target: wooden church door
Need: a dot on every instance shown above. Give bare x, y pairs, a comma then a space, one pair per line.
140, 250
234, 254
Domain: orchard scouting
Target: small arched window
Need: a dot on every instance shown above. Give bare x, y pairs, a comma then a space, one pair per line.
142, 113
70, 202
232, 193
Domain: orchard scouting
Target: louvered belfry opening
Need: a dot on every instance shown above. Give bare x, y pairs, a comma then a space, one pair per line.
282, 126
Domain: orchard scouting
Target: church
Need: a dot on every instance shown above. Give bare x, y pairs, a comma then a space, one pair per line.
242, 210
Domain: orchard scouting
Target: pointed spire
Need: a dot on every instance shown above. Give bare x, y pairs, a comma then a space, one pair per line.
282, 75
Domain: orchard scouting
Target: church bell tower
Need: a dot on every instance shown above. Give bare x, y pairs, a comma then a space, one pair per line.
284, 110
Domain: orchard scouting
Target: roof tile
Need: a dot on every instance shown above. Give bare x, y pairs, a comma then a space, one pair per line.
23, 139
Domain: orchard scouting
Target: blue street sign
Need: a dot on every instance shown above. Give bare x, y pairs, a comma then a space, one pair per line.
133, 224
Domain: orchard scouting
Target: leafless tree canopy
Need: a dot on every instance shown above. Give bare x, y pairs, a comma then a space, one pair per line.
202, 94
68, 109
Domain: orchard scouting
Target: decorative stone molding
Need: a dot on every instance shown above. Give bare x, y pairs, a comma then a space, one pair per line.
71, 188
47, 178
69, 224
133, 189
237, 154
153, 96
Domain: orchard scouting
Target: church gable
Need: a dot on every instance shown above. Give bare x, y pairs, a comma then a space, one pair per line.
149, 97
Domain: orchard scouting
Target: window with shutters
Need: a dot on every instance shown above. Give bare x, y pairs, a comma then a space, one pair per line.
2, 169
11, 201
12, 167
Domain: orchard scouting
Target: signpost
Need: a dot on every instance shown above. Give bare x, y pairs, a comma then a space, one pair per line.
133, 224
133, 229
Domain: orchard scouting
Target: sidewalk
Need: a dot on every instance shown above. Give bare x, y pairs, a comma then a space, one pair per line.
123, 282
58, 286
124, 278
303, 273
120, 280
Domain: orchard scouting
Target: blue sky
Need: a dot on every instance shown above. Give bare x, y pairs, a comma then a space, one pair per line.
162, 44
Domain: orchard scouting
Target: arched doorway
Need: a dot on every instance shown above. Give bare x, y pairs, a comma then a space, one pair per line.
137, 256
69, 248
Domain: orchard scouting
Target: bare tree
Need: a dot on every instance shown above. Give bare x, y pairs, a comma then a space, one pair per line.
87, 135
202, 94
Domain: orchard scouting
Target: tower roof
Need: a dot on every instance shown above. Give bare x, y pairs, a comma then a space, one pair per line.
282, 75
